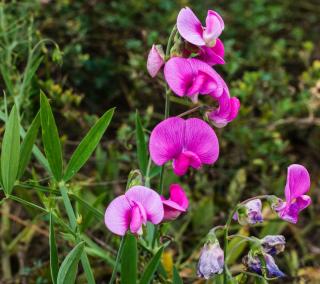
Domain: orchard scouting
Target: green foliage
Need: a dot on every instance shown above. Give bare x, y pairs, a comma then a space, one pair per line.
54, 261
151, 267
129, 260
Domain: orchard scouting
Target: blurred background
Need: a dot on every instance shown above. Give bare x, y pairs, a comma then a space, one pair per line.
97, 60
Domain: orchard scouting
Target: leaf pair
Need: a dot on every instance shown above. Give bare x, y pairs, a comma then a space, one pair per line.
52, 144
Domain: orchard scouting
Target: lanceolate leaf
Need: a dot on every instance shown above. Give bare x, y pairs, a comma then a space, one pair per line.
54, 262
176, 277
50, 137
142, 151
69, 267
87, 145
27, 144
10, 151
129, 260
151, 268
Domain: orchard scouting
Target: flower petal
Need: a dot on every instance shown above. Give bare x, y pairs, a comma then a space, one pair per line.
201, 139
190, 27
213, 29
212, 55
298, 182
272, 268
149, 199
291, 212
117, 216
155, 60
166, 140
136, 220
178, 195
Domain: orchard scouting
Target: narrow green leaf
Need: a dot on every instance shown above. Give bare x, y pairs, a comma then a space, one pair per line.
87, 145
54, 262
176, 277
151, 268
10, 151
129, 260
142, 151
50, 137
27, 145
69, 267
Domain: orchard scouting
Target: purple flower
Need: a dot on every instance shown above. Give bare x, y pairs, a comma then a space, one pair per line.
253, 263
177, 203
188, 143
211, 260
249, 213
298, 184
133, 209
273, 244
191, 29
155, 60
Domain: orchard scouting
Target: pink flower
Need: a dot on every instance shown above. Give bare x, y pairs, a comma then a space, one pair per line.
133, 209
155, 60
192, 77
191, 29
189, 143
227, 111
298, 184
177, 203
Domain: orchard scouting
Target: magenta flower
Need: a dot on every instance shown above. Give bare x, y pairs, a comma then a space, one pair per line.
133, 209
155, 60
298, 184
188, 143
177, 203
191, 29
192, 77
227, 110
212, 55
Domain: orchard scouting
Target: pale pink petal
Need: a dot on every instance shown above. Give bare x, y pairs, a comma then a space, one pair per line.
136, 220
179, 75
155, 60
298, 182
117, 216
178, 195
213, 29
149, 199
201, 140
190, 27
166, 140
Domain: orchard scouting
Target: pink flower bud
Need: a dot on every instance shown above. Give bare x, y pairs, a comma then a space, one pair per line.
155, 60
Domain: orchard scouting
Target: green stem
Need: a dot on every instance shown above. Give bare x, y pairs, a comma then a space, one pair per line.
115, 268
4, 236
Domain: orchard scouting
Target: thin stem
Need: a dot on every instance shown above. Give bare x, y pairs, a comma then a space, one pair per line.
170, 40
189, 111
115, 268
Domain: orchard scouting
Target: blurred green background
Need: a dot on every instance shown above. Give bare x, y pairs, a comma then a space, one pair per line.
272, 65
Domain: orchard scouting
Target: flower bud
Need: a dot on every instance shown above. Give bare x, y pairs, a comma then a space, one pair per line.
249, 213
273, 244
155, 60
211, 260
276, 203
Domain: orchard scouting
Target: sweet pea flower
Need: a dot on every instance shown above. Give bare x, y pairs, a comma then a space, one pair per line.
249, 213
132, 210
155, 60
211, 260
297, 185
253, 264
273, 244
191, 77
227, 110
191, 29
177, 204
212, 55
188, 143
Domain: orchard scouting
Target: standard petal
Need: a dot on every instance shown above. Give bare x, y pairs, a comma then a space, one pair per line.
201, 139
298, 182
213, 29
155, 60
117, 216
190, 27
149, 199
166, 140
178, 196
179, 75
